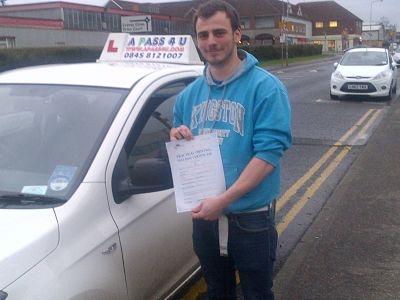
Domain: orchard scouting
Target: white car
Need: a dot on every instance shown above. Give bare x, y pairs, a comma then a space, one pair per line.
87, 207
366, 72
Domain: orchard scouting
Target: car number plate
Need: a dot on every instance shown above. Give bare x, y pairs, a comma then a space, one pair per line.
358, 87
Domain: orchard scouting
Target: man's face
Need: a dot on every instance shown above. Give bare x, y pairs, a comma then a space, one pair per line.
216, 40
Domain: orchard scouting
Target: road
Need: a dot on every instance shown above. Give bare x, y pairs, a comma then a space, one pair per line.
328, 136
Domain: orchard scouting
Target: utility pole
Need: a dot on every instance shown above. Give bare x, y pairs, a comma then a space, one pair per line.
282, 33
370, 19
286, 33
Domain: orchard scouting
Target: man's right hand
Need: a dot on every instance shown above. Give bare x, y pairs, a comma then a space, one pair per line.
179, 133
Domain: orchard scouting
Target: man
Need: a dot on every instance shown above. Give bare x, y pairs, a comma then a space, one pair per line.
248, 108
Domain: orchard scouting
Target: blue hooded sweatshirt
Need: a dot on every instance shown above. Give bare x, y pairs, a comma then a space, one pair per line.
250, 113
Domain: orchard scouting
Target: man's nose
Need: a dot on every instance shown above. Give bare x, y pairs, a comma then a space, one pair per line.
211, 38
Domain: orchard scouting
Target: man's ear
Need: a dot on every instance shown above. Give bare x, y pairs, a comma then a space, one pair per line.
237, 35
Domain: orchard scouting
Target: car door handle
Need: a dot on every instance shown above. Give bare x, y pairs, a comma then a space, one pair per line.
110, 249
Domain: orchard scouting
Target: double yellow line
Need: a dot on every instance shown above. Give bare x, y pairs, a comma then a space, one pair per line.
367, 120
372, 114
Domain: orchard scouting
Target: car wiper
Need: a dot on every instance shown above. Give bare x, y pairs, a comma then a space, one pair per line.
29, 199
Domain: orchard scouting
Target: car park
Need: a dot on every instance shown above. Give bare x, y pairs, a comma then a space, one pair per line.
366, 72
87, 208
396, 56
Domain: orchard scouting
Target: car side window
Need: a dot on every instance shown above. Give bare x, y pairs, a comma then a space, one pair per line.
143, 166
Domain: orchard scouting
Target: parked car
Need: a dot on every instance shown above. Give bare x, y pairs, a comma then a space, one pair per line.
396, 56
363, 71
87, 207
392, 47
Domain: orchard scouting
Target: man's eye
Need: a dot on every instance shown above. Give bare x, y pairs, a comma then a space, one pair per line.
202, 36
219, 33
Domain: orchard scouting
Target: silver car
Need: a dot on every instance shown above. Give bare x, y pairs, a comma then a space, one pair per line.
87, 205
369, 72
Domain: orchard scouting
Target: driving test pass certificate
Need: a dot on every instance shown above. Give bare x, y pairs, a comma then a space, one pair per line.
197, 170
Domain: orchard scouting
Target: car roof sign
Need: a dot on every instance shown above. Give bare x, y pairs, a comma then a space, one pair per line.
178, 49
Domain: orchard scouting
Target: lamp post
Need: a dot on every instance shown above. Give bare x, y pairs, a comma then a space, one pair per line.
370, 18
370, 12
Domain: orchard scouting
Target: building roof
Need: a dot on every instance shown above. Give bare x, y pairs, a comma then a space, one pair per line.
246, 8
325, 11
48, 5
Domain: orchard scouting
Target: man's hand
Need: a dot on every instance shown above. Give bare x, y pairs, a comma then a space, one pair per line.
209, 209
179, 133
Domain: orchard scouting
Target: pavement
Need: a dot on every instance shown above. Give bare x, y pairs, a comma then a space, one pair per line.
352, 249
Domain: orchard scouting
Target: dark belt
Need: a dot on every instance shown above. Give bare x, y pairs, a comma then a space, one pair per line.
223, 224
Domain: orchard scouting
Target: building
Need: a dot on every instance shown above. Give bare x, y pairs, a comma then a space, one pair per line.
264, 22
60, 23
333, 26
373, 35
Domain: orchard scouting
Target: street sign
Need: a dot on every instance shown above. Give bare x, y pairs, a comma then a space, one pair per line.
136, 24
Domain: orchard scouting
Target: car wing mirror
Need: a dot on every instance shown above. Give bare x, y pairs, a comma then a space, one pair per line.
147, 175
335, 64
151, 175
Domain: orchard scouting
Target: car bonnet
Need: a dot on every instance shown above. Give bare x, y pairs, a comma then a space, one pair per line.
361, 71
27, 237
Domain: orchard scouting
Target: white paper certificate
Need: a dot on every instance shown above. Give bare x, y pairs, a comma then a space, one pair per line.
197, 170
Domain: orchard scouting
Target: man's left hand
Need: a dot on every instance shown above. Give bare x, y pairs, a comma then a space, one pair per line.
209, 209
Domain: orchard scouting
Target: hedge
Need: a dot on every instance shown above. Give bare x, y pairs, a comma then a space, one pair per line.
271, 52
23, 57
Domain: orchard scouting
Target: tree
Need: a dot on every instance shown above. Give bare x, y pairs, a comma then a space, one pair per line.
3, 2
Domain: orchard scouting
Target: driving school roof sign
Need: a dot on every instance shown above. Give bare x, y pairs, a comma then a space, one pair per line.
150, 48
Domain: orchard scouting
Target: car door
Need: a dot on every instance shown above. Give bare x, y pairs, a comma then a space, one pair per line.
155, 240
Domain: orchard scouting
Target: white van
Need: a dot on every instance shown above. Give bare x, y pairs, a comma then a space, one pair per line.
87, 208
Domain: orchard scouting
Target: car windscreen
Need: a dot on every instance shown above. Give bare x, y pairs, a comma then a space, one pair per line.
364, 58
48, 137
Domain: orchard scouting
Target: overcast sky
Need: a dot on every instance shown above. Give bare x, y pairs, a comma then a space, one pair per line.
388, 9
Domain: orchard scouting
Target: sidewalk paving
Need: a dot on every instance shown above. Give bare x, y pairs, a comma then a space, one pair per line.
352, 249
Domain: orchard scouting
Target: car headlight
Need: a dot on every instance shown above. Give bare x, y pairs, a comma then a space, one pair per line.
337, 75
382, 75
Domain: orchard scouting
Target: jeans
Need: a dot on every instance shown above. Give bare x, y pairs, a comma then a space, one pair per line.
251, 251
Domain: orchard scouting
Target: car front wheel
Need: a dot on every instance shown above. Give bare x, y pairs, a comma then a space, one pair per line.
389, 96
333, 97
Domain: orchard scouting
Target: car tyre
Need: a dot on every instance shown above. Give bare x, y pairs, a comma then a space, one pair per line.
333, 97
389, 96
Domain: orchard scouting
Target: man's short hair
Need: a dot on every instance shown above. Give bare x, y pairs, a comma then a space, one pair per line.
209, 8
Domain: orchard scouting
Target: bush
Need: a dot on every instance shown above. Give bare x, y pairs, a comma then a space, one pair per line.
271, 52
